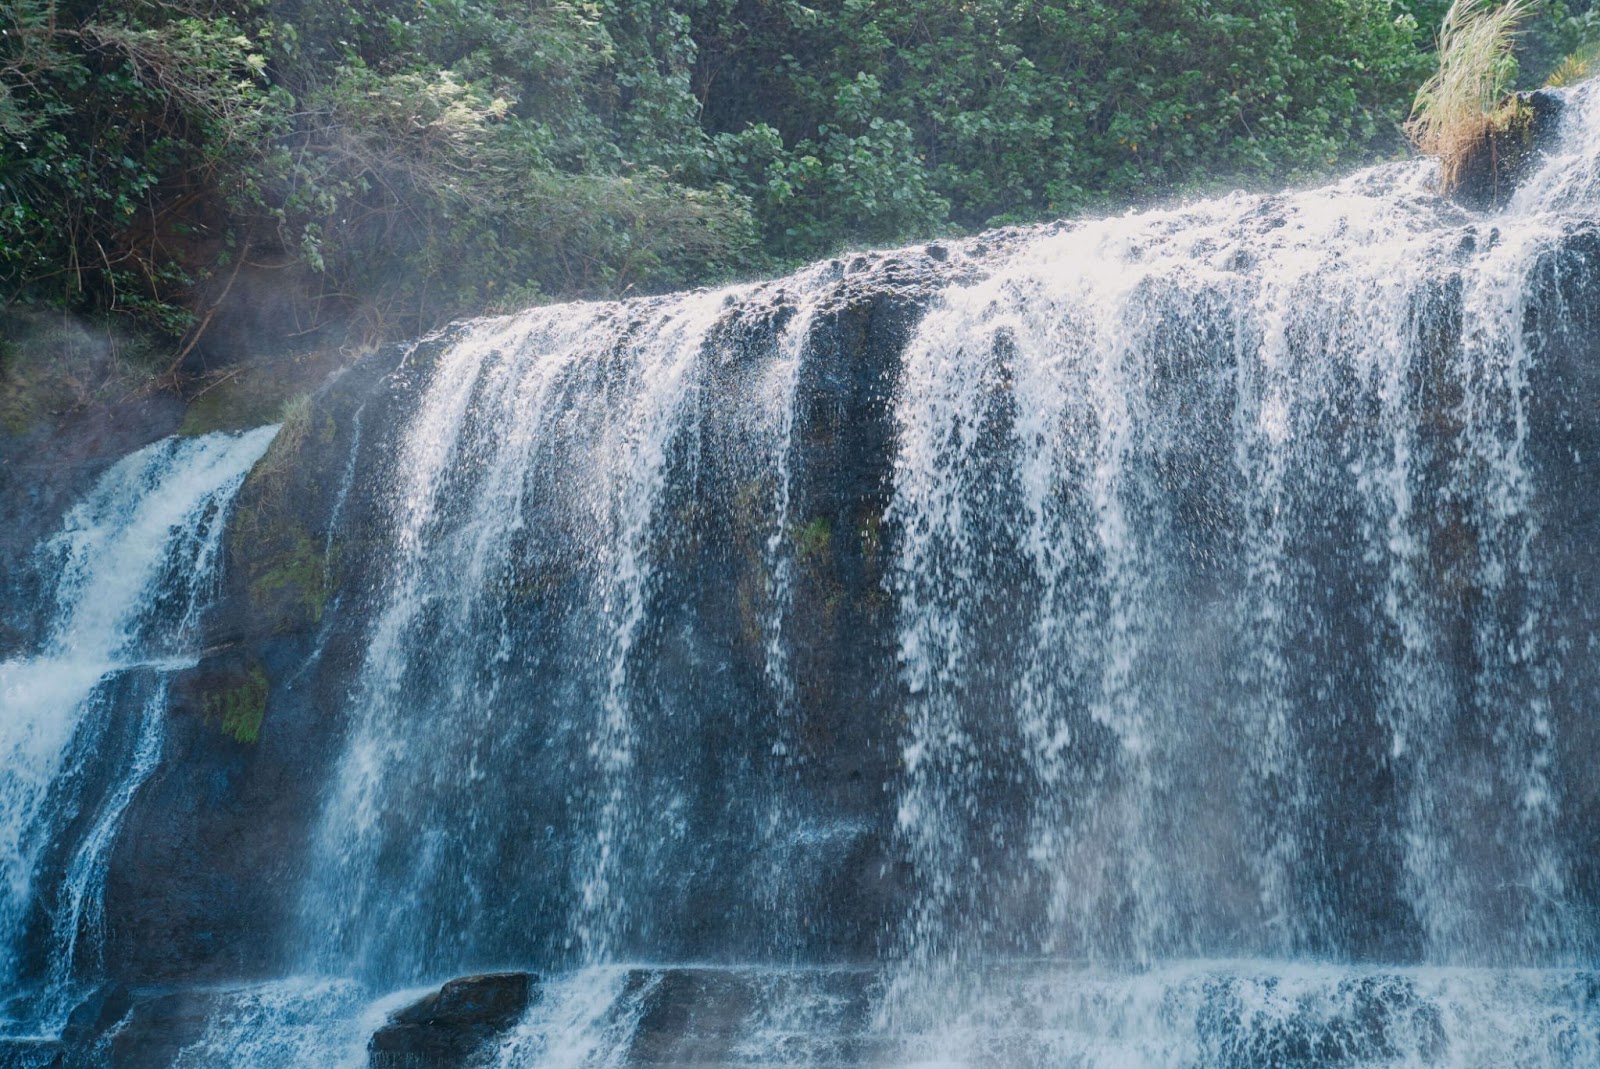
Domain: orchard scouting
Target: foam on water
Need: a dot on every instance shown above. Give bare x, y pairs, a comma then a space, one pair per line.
1184, 1015
299, 1023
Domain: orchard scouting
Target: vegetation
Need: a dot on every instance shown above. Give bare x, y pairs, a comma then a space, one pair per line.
1575, 67
240, 710
384, 166
1458, 109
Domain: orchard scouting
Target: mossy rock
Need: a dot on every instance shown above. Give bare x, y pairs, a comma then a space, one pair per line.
295, 583
813, 542
25, 396
243, 397
239, 710
230, 692
50, 365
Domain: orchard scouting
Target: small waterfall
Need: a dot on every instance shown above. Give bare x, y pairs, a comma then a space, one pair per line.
783, 546
587, 1020
554, 465
298, 1023
133, 565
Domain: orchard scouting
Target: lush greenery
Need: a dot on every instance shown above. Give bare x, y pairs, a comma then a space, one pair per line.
405, 161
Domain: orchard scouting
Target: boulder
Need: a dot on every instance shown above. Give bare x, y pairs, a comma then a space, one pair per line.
451, 1028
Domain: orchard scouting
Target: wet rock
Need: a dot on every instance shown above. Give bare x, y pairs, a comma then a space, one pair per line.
1508, 150
201, 886
453, 1028
151, 1033
196, 887
708, 1016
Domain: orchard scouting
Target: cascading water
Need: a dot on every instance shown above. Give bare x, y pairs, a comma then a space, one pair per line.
1161, 641
1250, 455
1169, 411
132, 566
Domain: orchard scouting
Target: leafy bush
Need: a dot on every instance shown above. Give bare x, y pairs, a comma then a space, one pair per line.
117, 140
997, 111
403, 163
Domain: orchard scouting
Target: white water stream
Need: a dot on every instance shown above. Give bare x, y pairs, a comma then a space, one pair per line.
132, 567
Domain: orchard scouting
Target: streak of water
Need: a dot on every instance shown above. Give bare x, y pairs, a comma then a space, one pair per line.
134, 564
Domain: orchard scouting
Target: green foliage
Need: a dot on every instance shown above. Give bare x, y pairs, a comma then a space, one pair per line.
998, 111
52, 363
410, 162
813, 541
114, 136
299, 578
418, 161
1556, 31
244, 397
1575, 67
241, 709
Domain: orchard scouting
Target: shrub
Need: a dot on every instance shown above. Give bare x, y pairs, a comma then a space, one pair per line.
1575, 67
1454, 118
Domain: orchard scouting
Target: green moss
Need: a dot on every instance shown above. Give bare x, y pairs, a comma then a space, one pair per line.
749, 499
241, 709
301, 576
813, 541
248, 399
52, 364
226, 410
22, 400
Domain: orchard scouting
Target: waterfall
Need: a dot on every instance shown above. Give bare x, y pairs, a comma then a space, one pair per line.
1164, 640
1239, 451
1221, 639
528, 528
132, 567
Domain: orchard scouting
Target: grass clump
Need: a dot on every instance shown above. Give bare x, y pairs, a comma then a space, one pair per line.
1458, 110
812, 540
299, 578
1575, 67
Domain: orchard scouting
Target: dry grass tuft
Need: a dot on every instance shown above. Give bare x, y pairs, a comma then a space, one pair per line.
1454, 115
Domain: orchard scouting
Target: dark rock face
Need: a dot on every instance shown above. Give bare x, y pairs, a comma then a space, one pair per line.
1564, 445
156, 1028
211, 846
1509, 150
452, 1028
